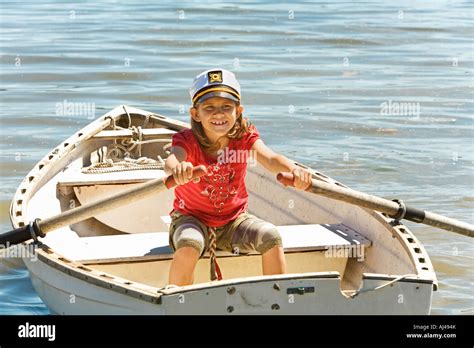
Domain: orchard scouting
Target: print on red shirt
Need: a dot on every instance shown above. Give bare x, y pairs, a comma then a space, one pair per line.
220, 184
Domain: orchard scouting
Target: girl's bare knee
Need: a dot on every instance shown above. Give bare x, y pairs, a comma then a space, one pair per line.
187, 252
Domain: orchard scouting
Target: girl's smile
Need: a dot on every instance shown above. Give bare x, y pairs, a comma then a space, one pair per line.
219, 126
219, 123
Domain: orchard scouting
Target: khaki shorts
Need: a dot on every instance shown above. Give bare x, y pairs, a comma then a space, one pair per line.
245, 234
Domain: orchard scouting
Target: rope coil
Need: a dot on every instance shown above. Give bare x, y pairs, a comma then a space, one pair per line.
142, 163
118, 157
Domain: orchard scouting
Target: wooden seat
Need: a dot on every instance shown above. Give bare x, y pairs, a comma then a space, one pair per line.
320, 237
89, 188
77, 178
296, 238
74, 177
148, 133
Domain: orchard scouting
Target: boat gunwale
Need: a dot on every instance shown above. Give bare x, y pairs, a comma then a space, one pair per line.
24, 193
102, 279
152, 294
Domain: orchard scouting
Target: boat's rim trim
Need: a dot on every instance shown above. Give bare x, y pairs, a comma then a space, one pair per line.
102, 279
413, 247
25, 190
389, 277
153, 294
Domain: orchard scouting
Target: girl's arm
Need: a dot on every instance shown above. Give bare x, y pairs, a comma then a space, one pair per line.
176, 164
276, 163
177, 155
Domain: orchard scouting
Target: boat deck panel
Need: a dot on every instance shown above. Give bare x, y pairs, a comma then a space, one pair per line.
76, 178
296, 238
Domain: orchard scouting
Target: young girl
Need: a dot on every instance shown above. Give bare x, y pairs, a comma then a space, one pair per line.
211, 212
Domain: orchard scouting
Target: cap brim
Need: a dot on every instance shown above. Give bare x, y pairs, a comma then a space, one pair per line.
217, 94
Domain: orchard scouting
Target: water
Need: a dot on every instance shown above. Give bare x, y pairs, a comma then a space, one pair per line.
322, 82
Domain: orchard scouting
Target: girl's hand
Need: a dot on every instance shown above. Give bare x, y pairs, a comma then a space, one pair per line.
302, 178
183, 173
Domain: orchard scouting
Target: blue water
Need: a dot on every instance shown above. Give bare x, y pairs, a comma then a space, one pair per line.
315, 78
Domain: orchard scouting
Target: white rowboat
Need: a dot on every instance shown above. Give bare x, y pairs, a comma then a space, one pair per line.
341, 258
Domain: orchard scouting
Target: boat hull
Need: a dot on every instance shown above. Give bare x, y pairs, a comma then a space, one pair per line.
394, 276
300, 294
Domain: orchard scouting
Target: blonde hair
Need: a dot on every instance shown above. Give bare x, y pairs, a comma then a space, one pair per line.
241, 127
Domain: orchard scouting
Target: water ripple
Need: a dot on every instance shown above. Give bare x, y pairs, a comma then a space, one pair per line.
319, 71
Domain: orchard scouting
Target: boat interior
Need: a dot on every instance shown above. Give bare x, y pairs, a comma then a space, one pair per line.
131, 242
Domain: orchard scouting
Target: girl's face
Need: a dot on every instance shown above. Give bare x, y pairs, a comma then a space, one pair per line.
217, 116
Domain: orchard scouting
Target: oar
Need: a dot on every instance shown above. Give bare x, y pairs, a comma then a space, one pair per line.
39, 228
395, 209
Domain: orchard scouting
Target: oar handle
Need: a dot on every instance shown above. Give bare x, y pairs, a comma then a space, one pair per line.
21, 234
395, 209
39, 228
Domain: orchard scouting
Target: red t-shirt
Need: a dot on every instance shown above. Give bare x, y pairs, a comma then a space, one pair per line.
221, 195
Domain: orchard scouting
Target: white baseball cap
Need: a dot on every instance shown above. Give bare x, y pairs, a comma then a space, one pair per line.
215, 83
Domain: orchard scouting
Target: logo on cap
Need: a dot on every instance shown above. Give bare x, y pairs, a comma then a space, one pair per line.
215, 83
214, 76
